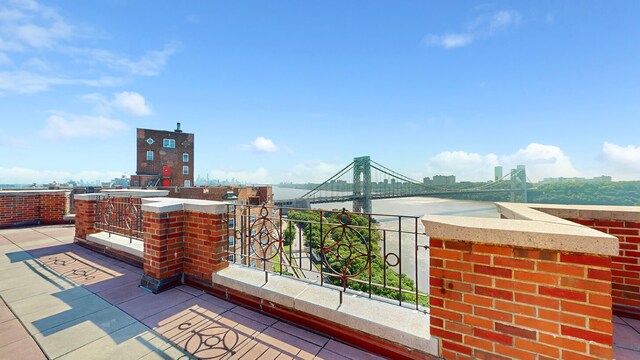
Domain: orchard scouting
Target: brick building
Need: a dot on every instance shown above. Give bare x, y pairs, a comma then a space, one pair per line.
164, 158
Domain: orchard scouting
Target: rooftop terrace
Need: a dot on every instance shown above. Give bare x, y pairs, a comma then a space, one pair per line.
543, 282
62, 301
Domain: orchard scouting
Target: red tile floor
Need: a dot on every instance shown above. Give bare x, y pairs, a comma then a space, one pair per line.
82, 305
72, 303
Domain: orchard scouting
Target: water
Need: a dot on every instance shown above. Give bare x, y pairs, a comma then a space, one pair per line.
411, 207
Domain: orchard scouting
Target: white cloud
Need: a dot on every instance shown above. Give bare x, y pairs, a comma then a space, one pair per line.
33, 29
311, 171
24, 82
465, 165
259, 176
129, 102
18, 175
540, 160
132, 103
623, 160
150, 64
450, 41
62, 125
503, 19
263, 145
482, 26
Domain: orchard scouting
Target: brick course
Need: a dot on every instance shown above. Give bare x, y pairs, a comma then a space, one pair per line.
625, 268
33, 208
494, 302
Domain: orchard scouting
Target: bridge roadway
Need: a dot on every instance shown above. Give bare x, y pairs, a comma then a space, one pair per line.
374, 196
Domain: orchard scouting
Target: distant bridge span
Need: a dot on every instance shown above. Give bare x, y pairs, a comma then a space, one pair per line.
394, 185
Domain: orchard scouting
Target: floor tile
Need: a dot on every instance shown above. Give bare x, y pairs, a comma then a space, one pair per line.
131, 342
12, 331
22, 350
123, 293
288, 345
349, 351
72, 335
301, 333
625, 336
150, 304
42, 301
325, 354
53, 316
267, 320
625, 354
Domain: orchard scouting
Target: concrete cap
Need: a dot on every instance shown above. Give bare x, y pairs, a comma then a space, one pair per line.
530, 233
162, 205
32, 192
137, 193
595, 212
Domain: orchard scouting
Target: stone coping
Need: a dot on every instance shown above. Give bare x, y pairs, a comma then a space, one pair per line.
397, 324
121, 193
118, 242
525, 229
163, 205
32, 192
590, 212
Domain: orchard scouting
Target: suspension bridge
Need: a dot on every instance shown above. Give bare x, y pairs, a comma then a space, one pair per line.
364, 180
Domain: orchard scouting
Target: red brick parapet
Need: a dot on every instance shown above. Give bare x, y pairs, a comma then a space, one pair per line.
27, 207
623, 222
520, 289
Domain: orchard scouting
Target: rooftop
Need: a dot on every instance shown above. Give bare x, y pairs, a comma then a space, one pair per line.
60, 300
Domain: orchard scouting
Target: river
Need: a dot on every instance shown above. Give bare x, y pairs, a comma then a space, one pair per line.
406, 209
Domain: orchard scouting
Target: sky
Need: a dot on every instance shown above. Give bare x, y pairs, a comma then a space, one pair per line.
292, 91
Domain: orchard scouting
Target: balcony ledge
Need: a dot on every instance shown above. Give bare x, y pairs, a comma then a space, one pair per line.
524, 226
397, 324
117, 242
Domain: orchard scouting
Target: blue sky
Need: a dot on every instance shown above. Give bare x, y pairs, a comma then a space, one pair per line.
293, 90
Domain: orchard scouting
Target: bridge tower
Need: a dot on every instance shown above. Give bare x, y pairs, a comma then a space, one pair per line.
519, 183
362, 184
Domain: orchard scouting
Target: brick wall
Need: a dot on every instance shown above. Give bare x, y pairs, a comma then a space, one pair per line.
86, 216
33, 207
53, 207
163, 251
625, 268
204, 246
504, 302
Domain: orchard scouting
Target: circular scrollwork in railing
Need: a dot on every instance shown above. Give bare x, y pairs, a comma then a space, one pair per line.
346, 244
264, 236
391, 259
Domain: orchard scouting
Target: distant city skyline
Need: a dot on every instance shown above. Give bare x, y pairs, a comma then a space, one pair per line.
292, 92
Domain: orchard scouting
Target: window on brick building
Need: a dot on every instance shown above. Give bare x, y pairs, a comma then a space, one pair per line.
232, 223
232, 241
169, 143
185, 170
185, 157
149, 155
187, 183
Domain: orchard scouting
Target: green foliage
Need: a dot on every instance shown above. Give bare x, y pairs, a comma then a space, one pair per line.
289, 233
364, 244
588, 193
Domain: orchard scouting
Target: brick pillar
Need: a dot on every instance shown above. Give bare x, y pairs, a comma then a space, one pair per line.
86, 215
163, 234
205, 245
508, 302
53, 207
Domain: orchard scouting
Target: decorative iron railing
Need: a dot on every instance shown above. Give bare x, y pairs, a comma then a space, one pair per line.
379, 256
120, 215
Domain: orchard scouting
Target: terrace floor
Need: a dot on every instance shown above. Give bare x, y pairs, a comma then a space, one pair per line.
61, 301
